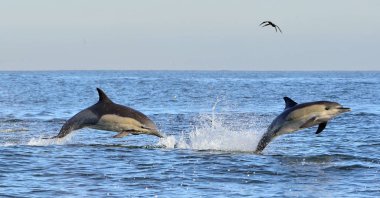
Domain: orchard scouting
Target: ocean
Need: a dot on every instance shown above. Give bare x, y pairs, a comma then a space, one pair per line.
213, 121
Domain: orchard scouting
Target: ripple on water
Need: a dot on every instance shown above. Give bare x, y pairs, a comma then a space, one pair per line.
208, 151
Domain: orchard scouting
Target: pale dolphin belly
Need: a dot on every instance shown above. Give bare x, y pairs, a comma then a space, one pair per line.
112, 122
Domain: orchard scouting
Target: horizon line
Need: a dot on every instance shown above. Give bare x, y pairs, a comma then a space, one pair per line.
182, 70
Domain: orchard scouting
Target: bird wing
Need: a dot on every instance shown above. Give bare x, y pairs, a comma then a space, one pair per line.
266, 25
278, 28
264, 22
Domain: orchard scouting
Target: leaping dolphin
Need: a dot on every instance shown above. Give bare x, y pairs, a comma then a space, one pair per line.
109, 116
300, 116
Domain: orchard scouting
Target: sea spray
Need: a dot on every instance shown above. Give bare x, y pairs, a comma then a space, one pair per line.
217, 132
36, 141
168, 141
216, 135
41, 141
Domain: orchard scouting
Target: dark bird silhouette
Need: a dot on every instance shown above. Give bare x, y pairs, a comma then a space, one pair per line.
266, 23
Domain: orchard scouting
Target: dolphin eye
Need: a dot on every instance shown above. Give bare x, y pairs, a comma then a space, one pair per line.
327, 108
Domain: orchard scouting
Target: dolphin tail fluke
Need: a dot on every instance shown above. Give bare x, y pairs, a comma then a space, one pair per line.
70, 125
65, 130
263, 143
61, 134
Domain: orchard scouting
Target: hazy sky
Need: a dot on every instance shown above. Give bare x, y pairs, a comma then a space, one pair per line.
189, 35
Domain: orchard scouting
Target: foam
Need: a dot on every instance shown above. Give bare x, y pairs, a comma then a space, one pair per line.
41, 141
168, 141
214, 133
6, 144
13, 130
38, 141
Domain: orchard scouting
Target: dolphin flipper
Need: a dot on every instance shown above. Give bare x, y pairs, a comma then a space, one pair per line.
321, 127
121, 134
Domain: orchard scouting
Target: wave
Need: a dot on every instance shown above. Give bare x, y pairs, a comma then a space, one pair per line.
10, 120
13, 130
347, 167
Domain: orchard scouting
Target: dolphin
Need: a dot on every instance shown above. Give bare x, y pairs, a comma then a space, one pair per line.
300, 116
109, 116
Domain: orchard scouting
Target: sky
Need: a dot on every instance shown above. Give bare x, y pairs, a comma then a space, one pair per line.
189, 35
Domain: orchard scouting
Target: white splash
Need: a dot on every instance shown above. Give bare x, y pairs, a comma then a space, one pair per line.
36, 141
168, 141
214, 133
40, 141
8, 144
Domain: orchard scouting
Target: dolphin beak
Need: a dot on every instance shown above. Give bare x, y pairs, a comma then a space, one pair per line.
344, 109
158, 134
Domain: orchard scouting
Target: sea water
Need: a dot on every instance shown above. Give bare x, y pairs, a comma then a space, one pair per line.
212, 122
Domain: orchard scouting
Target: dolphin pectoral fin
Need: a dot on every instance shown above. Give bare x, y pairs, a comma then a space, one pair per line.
121, 134
49, 138
321, 127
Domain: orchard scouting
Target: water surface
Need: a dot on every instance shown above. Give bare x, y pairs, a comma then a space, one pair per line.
213, 121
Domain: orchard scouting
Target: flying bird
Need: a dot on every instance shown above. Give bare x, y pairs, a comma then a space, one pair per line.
266, 23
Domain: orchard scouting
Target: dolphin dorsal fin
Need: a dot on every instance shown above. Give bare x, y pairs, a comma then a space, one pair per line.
102, 96
289, 102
